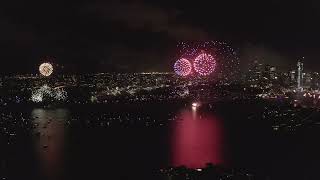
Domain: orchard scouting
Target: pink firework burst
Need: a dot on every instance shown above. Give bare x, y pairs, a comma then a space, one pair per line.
226, 58
204, 64
182, 67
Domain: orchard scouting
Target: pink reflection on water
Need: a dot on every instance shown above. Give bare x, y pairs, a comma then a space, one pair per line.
197, 140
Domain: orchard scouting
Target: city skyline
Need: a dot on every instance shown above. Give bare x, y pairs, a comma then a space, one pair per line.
163, 90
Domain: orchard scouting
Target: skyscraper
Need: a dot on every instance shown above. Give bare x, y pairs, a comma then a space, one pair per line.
300, 75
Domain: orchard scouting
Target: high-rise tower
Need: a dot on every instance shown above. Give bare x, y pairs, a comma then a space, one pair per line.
300, 75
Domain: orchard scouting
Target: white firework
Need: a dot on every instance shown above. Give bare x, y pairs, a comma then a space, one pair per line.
60, 95
45, 92
46, 69
37, 97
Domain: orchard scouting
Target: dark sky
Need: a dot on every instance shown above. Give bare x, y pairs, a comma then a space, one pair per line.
101, 36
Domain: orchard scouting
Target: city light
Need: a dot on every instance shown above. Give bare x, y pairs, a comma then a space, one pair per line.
195, 104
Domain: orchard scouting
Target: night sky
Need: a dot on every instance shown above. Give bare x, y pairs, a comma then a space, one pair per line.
135, 36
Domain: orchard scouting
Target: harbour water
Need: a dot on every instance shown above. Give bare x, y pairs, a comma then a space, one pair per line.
135, 141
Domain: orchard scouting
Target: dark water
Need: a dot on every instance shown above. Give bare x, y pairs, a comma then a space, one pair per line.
113, 142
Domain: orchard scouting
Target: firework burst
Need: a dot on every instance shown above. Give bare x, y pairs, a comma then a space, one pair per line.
204, 64
225, 57
182, 67
46, 69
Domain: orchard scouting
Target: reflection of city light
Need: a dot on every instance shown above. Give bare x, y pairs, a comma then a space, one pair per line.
195, 105
51, 159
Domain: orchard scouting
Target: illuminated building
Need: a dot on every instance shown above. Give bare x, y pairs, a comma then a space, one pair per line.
307, 78
254, 74
300, 75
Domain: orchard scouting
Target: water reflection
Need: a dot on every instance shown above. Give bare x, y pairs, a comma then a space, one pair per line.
49, 130
197, 139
